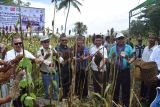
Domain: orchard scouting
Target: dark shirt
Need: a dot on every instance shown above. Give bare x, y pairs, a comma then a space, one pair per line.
65, 68
139, 50
81, 65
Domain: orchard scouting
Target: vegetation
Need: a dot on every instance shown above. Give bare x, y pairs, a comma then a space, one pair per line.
148, 21
66, 4
80, 28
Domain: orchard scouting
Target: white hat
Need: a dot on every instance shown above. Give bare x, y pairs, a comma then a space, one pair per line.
43, 38
119, 35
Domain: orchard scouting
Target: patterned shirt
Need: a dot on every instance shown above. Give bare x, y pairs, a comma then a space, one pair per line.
121, 62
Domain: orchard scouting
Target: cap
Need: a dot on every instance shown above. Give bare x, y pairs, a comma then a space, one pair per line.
119, 35
43, 38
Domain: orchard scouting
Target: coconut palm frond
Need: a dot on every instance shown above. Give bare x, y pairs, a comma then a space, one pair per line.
76, 6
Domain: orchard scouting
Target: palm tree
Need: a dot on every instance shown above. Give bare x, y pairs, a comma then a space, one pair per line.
55, 8
7, 2
13, 2
80, 28
66, 4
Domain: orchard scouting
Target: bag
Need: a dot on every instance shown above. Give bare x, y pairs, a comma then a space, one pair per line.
149, 71
137, 69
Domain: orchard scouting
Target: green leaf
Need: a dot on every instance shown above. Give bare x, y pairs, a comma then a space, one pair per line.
23, 96
28, 101
33, 95
55, 84
23, 83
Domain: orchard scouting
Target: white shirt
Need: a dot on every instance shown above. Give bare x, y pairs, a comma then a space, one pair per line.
155, 56
93, 51
10, 55
147, 53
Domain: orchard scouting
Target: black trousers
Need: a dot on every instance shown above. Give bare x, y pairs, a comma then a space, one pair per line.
81, 87
17, 102
123, 81
97, 81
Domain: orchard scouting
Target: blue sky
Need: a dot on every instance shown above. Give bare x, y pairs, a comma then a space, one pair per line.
98, 15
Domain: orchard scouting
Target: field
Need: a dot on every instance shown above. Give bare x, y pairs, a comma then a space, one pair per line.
104, 99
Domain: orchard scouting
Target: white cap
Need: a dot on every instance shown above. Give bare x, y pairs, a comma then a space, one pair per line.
43, 38
119, 35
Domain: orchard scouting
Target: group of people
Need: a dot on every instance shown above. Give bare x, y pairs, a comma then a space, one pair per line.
62, 63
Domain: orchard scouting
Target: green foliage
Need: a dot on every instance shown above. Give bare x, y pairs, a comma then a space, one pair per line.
15, 2
80, 28
138, 28
24, 83
66, 4
25, 63
28, 99
151, 17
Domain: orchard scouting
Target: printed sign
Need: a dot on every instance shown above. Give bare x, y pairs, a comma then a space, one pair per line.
34, 17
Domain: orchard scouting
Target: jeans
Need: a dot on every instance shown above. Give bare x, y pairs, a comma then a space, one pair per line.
46, 78
4, 89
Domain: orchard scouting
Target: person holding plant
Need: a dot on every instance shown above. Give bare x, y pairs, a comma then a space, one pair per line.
47, 68
10, 55
119, 55
64, 65
98, 54
81, 56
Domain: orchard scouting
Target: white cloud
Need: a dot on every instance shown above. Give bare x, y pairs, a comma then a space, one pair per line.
98, 15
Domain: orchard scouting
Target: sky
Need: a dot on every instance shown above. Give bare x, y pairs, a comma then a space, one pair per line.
98, 15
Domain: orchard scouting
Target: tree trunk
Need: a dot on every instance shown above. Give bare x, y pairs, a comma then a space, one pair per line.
67, 18
54, 15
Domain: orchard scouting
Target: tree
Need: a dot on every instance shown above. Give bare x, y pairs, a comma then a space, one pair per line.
151, 17
13, 2
80, 28
138, 28
54, 14
67, 4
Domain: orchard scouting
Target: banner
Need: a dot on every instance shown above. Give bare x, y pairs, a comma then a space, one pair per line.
9, 16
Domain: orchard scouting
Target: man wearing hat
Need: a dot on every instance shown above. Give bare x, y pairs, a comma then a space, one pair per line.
119, 55
47, 67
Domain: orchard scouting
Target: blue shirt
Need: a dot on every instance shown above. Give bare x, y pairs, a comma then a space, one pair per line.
120, 61
81, 65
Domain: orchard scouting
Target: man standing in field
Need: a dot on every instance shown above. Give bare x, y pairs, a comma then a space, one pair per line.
47, 67
98, 54
10, 55
64, 67
145, 90
139, 48
119, 55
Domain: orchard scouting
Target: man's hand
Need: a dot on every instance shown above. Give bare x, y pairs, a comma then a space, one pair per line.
2, 62
39, 60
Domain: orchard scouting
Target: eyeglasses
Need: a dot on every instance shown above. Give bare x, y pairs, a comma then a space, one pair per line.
18, 43
120, 38
46, 41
